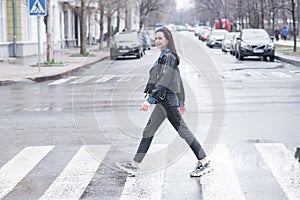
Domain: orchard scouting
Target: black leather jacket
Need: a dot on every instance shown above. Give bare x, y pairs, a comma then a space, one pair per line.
164, 77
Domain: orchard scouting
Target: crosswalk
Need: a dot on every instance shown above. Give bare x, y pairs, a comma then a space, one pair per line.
225, 75
222, 183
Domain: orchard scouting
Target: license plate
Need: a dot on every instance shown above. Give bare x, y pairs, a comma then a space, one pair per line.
123, 51
258, 50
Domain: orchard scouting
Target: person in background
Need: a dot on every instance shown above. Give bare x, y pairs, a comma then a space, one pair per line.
285, 33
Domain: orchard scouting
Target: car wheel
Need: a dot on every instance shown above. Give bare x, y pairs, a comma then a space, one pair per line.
236, 55
240, 56
112, 57
272, 58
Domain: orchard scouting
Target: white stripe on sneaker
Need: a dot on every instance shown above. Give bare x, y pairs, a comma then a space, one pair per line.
17, 168
222, 183
74, 179
283, 166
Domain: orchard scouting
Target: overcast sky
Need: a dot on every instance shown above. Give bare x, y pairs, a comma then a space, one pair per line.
184, 4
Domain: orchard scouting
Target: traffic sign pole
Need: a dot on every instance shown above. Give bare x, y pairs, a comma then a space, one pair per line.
39, 41
38, 8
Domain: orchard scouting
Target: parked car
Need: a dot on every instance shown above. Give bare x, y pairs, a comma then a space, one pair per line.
126, 43
227, 41
233, 43
203, 35
255, 42
215, 38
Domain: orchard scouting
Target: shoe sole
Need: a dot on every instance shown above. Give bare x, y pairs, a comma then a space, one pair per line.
202, 174
130, 172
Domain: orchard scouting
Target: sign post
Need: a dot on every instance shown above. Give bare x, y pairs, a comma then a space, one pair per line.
38, 8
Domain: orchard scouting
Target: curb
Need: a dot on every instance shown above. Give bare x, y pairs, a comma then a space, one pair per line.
293, 62
53, 76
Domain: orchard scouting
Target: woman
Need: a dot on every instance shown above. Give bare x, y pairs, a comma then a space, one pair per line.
165, 89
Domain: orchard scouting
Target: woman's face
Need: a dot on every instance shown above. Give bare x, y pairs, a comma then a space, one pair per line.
160, 40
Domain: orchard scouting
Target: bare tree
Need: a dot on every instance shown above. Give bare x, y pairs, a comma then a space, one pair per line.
83, 27
47, 20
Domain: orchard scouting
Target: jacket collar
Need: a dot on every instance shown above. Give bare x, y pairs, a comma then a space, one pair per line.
164, 52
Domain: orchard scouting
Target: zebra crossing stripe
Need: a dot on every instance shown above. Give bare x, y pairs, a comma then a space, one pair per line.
17, 168
104, 78
83, 79
222, 182
73, 180
126, 78
281, 75
147, 185
61, 81
283, 166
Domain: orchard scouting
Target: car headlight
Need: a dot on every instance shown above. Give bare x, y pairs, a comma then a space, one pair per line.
270, 45
244, 45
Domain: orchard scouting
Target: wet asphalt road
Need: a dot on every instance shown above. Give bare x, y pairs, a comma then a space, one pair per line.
229, 102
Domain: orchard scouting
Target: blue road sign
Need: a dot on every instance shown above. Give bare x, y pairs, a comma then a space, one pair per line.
37, 7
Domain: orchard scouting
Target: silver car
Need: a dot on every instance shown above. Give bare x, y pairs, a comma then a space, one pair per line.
126, 43
215, 38
227, 41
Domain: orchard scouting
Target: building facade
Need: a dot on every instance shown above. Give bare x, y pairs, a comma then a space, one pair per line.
19, 30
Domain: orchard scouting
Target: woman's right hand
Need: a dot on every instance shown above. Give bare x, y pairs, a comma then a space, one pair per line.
145, 106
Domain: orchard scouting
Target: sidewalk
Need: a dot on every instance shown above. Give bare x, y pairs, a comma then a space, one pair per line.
14, 70
295, 60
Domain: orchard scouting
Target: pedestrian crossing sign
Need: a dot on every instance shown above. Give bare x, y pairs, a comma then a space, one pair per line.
37, 7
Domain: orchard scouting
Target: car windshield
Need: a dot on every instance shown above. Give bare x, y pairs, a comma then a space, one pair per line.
123, 38
255, 35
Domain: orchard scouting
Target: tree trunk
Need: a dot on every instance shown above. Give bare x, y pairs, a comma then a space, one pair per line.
101, 23
83, 28
50, 57
294, 25
109, 32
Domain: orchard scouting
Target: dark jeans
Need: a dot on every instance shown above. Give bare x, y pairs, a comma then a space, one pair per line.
167, 108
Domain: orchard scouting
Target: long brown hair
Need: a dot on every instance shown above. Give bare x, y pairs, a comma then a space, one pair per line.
171, 45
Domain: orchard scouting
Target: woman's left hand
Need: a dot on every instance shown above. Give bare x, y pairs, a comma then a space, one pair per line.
181, 110
145, 106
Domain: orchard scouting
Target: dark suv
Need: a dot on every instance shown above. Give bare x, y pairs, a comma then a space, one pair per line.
255, 42
126, 44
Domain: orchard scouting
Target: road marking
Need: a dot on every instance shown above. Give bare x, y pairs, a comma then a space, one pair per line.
147, 185
126, 78
61, 81
17, 168
231, 75
74, 179
281, 75
222, 183
297, 72
284, 167
105, 78
83, 79
256, 75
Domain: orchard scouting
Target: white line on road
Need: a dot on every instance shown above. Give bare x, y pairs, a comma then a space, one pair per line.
256, 75
74, 179
147, 185
281, 75
105, 78
222, 183
17, 168
283, 166
83, 79
126, 78
61, 81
